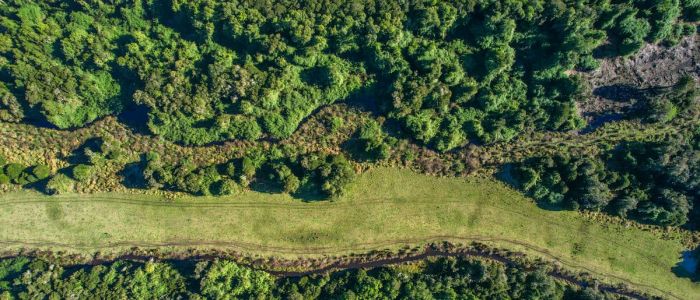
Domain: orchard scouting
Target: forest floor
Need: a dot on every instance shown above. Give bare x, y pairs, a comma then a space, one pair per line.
384, 209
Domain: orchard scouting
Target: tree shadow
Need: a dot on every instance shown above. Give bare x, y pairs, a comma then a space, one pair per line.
353, 147
601, 120
78, 155
688, 266
624, 94
132, 175
136, 118
620, 92
310, 192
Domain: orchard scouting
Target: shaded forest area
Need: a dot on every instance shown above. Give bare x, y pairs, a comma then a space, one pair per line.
652, 182
197, 72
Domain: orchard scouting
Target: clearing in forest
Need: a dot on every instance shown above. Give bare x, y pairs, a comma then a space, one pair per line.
383, 209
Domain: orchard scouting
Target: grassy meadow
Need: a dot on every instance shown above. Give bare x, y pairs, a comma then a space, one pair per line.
383, 209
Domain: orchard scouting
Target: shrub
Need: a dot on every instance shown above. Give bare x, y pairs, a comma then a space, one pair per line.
4, 179
82, 172
41, 172
230, 169
14, 171
225, 187
59, 184
291, 184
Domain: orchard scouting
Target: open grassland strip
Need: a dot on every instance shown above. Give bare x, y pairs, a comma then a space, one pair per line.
383, 209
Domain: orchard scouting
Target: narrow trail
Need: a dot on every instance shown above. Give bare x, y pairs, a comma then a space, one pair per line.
326, 251
430, 253
312, 207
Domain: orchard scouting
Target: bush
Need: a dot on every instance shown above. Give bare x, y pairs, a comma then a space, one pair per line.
41, 172
4, 179
82, 172
225, 187
230, 169
291, 184
14, 171
655, 183
59, 184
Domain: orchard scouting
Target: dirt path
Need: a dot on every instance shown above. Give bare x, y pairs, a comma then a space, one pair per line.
430, 253
298, 207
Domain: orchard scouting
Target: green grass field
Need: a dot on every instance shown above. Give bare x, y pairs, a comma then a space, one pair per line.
384, 209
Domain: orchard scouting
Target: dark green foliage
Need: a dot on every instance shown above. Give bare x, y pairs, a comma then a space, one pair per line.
442, 278
655, 183
19, 174
691, 9
667, 103
272, 170
59, 63
37, 279
369, 143
664, 178
225, 187
565, 182
331, 173
205, 71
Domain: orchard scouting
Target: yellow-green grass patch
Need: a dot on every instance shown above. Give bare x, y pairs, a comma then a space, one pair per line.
383, 209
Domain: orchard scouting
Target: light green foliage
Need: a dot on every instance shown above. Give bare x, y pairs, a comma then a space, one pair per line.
226, 187
59, 184
209, 71
82, 172
14, 171
19, 174
369, 142
121, 280
41, 172
69, 87
227, 280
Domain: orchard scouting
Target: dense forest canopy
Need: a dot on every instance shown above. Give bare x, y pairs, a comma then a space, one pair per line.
447, 72
444, 278
653, 182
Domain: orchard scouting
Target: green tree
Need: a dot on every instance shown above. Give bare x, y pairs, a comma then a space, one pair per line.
227, 280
